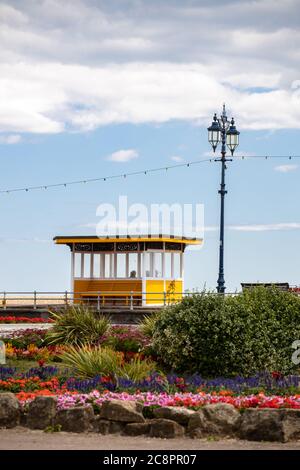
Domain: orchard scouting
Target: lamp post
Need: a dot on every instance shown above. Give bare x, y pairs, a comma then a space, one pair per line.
222, 131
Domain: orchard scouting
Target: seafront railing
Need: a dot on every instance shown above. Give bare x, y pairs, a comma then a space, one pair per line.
40, 300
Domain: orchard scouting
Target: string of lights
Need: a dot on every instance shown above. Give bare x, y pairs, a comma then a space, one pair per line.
136, 173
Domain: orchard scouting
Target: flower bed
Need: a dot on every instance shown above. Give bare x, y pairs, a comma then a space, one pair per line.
14, 319
270, 384
188, 400
33, 352
30, 384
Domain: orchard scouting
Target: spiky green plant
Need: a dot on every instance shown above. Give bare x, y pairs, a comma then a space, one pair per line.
137, 369
77, 325
147, 324
88, 361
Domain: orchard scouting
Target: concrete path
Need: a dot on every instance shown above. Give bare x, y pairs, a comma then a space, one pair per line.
24, 439
8, 328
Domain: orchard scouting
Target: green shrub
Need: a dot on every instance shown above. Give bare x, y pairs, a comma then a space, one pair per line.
88, 361
217, 335
77, 325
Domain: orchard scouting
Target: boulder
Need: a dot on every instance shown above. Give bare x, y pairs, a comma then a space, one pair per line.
290, 424
119, 410
9, 410
137, 429
220, 419
77, 419
104, 426
179, 414
101, 425
116, 427
165, 428
41, 412
270, 425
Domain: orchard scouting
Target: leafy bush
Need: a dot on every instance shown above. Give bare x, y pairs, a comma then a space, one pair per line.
77, 325
89, 361
228, 335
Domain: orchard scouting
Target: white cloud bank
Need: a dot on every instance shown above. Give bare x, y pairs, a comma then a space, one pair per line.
83, 64
123, 156
286, 168
10, 139
257, 227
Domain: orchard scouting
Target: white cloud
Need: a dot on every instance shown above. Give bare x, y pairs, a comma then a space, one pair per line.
177, 159
52, 97
265, 227
83, 64
256, 227
10, 139
122, 156
284, 226
285, 168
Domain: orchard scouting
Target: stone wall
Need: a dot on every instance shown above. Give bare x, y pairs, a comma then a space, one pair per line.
127, 418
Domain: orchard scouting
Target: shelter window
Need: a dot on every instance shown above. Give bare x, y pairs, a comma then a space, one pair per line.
107, 265
133, 265
157, 265
86, 264
96, 270
121, 264
77, 264
168, 265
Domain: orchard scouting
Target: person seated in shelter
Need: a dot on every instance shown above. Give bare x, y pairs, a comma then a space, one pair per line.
133, 274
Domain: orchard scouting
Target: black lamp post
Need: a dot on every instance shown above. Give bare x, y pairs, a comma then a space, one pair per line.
223, 131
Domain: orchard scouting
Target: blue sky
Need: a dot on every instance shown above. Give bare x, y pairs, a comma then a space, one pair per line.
130, 87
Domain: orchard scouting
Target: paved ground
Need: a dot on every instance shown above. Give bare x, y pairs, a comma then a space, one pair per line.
25, 439
7, 328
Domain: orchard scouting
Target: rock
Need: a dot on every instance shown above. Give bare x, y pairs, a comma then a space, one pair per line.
77, 419
119, 410
116, 427
221, 419
290, 424
9, 410
270, 425
101, 425
137, 429
165, 428
104, 426
41, 412
179, 414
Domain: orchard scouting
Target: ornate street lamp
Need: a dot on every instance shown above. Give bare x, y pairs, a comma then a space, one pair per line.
221, 130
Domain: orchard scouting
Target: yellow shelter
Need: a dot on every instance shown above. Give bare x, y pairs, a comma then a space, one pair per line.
145, 270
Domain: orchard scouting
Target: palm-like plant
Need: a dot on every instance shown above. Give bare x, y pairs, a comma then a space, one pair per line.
137, 369
147, 324
77, 325
88, 361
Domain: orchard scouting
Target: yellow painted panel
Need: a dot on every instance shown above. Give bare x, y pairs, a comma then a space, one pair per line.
154, 291
173, 291
105, 287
